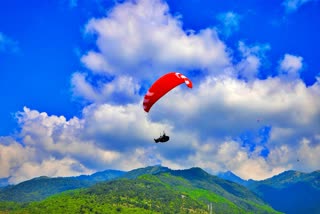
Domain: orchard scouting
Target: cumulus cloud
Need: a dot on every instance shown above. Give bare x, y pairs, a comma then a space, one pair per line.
293, 5
121, 89
252, 59
225, 108
48, 167
11, 156
143, 34
7, 44
204, 125
206, 121
141, 40
107, 124
271, 100
217, 157
105, 137
290, 66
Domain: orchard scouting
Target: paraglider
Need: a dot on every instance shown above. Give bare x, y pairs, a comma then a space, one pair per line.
161, 87
162, 139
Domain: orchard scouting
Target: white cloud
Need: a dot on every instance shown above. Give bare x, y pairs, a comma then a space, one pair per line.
96, 62
233, 100
81, 88
248, 67
258, 49
253, 58
290, 66
122, 89
51, 146
135, 37
229, 22
12, 155
107, 136
142, 40
308, 154
48, 167
229, 155
293, 5
304, 156
223, 109
129, 126
204, 124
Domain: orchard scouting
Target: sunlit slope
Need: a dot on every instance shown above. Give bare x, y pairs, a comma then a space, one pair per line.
168, 191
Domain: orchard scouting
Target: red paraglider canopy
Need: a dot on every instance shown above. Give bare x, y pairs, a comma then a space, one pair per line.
162, 86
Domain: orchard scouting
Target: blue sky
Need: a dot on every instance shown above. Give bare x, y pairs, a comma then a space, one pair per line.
74, 73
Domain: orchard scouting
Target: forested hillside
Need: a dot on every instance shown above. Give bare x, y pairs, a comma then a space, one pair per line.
168, 191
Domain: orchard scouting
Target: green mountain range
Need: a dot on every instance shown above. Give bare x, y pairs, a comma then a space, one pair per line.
230, 176
41, 187
291, 192
158, 189
150, 190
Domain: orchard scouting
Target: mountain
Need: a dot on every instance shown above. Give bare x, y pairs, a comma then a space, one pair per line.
198, 178
39, 188
146, 170
237, 194
4, 182
230, 176
291, 191
160, 190
119, 196
288, 192
101, 176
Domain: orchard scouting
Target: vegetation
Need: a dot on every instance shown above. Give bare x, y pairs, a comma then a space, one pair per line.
150, 170
42, 187
39, 188
162, 192
121, 196
291, 191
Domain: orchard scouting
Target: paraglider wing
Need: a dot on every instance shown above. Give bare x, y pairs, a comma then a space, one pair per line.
162, 86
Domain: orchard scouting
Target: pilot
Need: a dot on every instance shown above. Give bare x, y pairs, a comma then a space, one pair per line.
163, 138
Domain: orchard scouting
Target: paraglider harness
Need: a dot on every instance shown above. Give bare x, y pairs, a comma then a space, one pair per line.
162, 139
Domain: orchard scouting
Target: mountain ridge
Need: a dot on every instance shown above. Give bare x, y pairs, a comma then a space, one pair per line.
291, 191
39, 188
155, 189
284, 191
